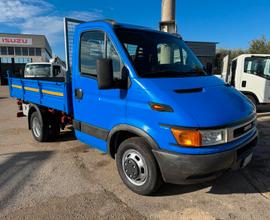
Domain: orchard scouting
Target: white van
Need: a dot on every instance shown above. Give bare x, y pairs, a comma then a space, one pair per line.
43, 69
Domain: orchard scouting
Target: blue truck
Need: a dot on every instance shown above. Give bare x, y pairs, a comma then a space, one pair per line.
144, 98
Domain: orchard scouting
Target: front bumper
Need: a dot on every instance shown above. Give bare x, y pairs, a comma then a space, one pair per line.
189, 169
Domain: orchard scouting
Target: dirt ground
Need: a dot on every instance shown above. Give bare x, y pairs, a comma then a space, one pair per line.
67, 180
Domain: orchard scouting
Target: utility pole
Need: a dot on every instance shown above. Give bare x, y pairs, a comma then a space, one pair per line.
168, 23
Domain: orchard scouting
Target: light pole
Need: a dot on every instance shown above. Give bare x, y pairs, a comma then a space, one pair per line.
168, 23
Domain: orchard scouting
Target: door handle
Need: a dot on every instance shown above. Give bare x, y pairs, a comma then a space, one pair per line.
78, 93
244, 84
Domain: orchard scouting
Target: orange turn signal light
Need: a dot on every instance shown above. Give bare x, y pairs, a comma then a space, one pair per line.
160, 107
187, 138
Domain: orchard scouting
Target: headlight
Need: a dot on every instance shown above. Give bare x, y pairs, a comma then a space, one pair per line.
199, 138
213, 137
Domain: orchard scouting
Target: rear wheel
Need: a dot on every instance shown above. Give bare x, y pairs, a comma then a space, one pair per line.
137, 166
39, 131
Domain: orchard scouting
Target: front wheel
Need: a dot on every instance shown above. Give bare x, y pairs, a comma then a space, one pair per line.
137, 166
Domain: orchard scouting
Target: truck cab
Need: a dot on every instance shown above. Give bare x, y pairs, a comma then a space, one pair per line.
43, 69
250, 74
133, 81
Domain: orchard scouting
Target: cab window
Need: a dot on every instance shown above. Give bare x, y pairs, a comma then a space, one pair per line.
96, 45
92, 48
112, 54
259, 66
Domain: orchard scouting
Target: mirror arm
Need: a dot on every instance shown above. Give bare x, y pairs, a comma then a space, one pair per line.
120, 84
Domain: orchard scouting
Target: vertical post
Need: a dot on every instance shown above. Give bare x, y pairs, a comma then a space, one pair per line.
13, 66
168, 23
1, 74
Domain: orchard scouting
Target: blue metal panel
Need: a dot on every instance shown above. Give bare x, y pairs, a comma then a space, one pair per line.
46, 93
91, 141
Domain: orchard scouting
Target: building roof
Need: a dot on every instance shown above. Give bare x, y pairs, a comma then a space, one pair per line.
18, 34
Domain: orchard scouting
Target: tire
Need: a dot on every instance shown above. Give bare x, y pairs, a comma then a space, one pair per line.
252, 99
39, 130
137, 166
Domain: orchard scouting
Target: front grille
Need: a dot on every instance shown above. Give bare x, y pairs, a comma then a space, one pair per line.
243, 129
240, 130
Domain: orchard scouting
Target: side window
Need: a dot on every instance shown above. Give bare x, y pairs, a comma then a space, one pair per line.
248, 66
112, 54
92, 48
27, 70
257, 66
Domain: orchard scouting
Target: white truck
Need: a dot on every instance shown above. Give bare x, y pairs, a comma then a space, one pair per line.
250, 74
43, 69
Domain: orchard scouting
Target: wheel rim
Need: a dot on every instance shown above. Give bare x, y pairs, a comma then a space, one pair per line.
134, 167
36, 127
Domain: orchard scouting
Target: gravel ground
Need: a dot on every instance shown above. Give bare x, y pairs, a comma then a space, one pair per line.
67, 180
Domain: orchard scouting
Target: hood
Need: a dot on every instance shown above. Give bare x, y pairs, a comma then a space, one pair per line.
207, 100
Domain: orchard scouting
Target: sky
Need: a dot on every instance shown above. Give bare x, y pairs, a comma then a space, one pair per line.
231, 23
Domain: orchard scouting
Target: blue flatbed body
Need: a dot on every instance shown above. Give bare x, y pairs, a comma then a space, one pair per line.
51, 94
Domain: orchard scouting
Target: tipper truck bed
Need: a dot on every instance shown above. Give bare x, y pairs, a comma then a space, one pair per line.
52, 94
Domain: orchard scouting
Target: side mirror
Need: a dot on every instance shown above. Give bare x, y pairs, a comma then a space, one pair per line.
105, 74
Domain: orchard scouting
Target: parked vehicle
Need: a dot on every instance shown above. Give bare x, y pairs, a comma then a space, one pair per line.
43, 69
250, 74
143, 97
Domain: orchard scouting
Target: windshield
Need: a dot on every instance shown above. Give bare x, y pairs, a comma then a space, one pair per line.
259, 66
38, 70
156, 54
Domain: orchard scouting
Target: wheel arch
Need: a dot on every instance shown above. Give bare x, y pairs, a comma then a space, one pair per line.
252, 94
123, 131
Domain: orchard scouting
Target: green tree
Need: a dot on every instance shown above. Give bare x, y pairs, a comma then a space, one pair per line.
256, 46
259, 46
221, 53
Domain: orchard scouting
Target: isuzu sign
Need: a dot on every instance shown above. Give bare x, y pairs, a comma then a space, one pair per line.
15, 40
